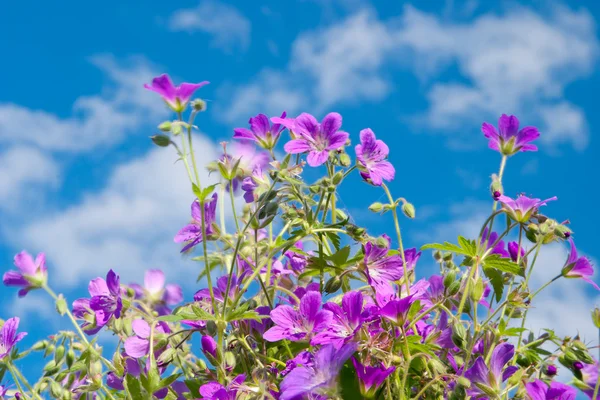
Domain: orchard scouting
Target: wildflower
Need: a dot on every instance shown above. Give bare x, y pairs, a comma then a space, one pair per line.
382, 269
261, 131
216, 391
371, 154
396, 310
251, 183
551, 370
176, 97
297, 325
515, 252
345, 323
297, 261
192, 233
209, 346
589, 376
578, 267
319, 379
247, 159
3, 391
31, 274
138, 346
9, 336
105, 302
157, 293
490, 240
539, 390
371, 378
316, 139
522, 208
510, 139
485, 380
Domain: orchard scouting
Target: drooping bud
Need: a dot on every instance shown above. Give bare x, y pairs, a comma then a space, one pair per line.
337, 178
453, 288
496, 187
437, 255
459, 335
409, 210
345, 160
161, 140
562, 231
165, 126
199, 105
376, 207
477, 291
333, 284
449, 279
551, 370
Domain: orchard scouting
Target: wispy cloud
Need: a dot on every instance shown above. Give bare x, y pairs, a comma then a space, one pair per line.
519, 62
227, 26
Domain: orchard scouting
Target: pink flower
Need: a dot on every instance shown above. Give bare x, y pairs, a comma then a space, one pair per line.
176, 97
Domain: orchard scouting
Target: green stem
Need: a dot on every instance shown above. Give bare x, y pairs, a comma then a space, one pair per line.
399, 234
15, 374
466, 292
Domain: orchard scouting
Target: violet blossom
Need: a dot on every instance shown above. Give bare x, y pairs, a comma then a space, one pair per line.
138, 346
104, 304
176, 97
261, 131
523, 207
157, 293
31, 274
318, 380
589, 376
515, 252
252, 183
578, 267
317, 138
345, 323
9, 336
539, 390
216, 391
509, 140
371, 154
381, 268
296, 325
492, 242
486, 379
396, 310
192, 233
371, 378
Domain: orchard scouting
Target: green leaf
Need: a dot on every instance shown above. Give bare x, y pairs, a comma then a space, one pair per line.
469, 245
335, 239
168, 380
340, 257
496, 280
203, 315
501, 264
202, 194
193, 385
446, 246
349, 383
170, 318
134, 388
253, 315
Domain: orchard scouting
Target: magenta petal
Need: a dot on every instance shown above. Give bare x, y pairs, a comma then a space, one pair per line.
25, 263
173, 294
97, 287
337, 140
196, 212
141, 328
284, 315
243, 133
322, 320
489, 131
154, 280
163, 86
276, 334
331, 123
14, 278
502, 354
136, 347
316, 158
113, 282
508, 126
310, 305
306, 125
352, 303
297, 146
260, 125
186, 90
188, 232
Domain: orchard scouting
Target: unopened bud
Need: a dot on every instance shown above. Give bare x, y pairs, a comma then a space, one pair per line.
449, 279
596, 317
408, 210
161, 140
562, 231
551, 370
59, 353
345, 160
337, 178
199, 105
464, 382
459, 334
453, 288
437, 255
333, 284
165, 126
376, 207
477, 291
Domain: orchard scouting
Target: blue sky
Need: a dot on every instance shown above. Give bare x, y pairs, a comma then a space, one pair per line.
80, 180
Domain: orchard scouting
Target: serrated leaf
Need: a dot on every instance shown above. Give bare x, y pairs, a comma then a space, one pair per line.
133, 387
446, 246
501, 264
170, 318
496, 281
468, 245
168, 380
340, 257
246, 315
335, 239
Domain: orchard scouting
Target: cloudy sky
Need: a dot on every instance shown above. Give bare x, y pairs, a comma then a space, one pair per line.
81, 181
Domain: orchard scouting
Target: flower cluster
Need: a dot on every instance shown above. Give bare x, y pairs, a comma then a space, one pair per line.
297, 302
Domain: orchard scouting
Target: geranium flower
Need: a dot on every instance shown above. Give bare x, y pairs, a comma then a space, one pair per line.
589, 376
491, 239
578, 267
192, 233
382, 269
9, 336
261, 131
176, 97
157, 293
138, 346
31, 274
317, 139
105, 303
510, 140
484, 379
297, 325
318, 380
513, 250
539, 390
522, 208
216, 391
345, 323
370, 378
371, 154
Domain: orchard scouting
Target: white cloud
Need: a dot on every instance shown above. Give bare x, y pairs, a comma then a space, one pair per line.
24, 172
96, 120
520, 62
229, 28
128, 226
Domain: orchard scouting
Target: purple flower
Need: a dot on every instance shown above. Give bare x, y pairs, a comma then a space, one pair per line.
209, 346
522, 208
510, 139
31, 274
396, 310
261, 131
539, 390
498, 248
297, 325
251, 183
318, 380
371, 378
345, 323
513, 250
383, 269
371, 154
157, 293
192, 233
105, 302
176, 97
551, 370
138, 346
3, 391
9, 336
578, 267
484, 379
297, 261
589, 376
216, 391
316, 139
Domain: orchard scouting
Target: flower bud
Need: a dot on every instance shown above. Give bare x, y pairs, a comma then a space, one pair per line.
345, 160
59, 353
376, 207
229, 360
409, 210
596, 317
453, 288
337, 178
459, 335
40, 345
578, 365
56, 390
437, 255
448, 257
199, 105
464, 382
165, 126
161, 140
209, 346
333, 284
449, 279
562, 231
496, 187
551, 370
477, 291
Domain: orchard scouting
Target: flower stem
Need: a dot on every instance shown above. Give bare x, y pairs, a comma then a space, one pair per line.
16, 375
399, 234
